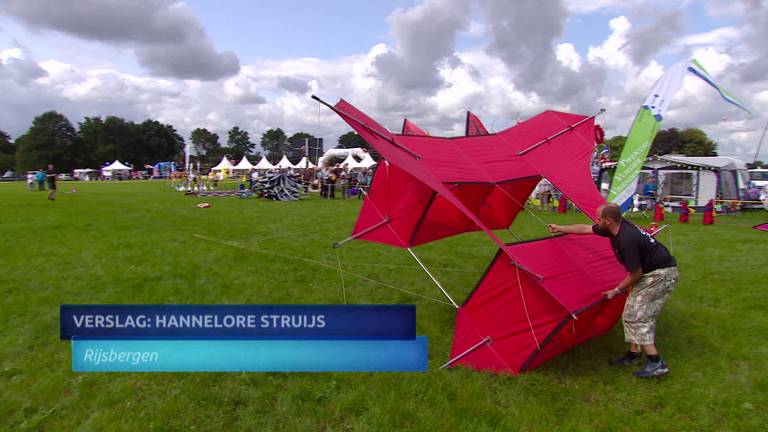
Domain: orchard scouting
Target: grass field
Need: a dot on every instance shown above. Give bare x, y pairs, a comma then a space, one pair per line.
140, 242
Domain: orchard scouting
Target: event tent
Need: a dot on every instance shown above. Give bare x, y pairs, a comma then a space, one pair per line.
225, 164
264, 164
243, 165
305, 163
351, 163
115, 166
537, 298
367, 161
284, 163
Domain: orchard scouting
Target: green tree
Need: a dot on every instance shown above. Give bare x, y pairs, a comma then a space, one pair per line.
119, 141
7, 152
203, 141
274, 142
299, 137
91, 141
667, 141
157, 142
352, 140
50, 139
615, 146
239, 142
695, 142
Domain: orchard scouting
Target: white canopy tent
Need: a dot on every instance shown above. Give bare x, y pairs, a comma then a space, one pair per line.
264, 164
85, 173
243, 165
115, 166
334, 153
224, 164
367, 161
351, 163
305, 163
285, 163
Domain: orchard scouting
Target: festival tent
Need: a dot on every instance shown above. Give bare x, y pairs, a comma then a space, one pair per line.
351, 163
284, 163
115, 166
537, 298
225, 164
264, 164
304, 163
243, 165
84, 173
367, 161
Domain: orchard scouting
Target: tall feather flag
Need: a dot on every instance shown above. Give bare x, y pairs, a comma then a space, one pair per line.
648, 122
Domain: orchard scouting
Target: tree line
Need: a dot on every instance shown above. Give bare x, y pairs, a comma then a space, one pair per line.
53, 139
689, 141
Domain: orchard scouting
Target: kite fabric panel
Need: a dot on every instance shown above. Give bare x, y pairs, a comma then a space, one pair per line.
537, 299
474, 126
410, 128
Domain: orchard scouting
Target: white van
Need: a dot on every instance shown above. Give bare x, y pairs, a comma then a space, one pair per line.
758, 178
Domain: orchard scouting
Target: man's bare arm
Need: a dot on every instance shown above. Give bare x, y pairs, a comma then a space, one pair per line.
570, 229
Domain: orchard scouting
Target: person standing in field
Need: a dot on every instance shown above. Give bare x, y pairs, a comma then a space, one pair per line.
50, 175
40, 178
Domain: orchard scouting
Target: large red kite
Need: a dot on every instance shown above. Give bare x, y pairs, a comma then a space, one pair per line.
537, 298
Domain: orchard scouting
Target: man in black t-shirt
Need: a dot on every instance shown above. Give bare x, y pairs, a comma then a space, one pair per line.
50, 175
652, 275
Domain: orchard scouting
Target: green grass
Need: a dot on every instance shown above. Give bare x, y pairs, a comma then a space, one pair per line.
139, 242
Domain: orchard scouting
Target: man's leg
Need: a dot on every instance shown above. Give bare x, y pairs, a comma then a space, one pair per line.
643, 306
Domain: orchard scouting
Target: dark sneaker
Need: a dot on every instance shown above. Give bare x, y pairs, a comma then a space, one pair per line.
652, 369
628, 359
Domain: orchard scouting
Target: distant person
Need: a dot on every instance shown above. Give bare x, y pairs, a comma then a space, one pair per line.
30, 182
685, 212
50, 175
649, 192
40, 178
652, 275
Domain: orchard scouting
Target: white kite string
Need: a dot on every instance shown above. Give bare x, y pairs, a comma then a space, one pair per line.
341, 273
525, 308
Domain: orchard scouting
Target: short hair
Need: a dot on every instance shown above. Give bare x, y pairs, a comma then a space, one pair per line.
612, 211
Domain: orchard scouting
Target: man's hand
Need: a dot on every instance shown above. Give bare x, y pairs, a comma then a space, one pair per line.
612, 293
554, 229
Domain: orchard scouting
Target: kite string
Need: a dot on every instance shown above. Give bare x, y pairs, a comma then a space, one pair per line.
322, 264
525, 308
341, 273
524, 207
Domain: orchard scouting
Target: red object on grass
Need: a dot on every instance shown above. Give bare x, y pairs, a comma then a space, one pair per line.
709, 213
685, 213
761, 227
537, 298
658, 213
562, 206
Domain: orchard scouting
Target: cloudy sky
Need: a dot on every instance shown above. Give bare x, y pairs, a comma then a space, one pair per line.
213, 64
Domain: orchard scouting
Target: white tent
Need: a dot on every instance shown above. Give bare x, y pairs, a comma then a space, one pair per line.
305, 163
84, 173
367, 161
331, 154
116, 166
243, 165
264, 164
224, 164
110, 169
351, 163
284, 163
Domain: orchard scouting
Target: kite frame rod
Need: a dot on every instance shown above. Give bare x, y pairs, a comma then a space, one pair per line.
486, 341
363, 232
660, 230
432, 277
365, 125
527, 270
557, 134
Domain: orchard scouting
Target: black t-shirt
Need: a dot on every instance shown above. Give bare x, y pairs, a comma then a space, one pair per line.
635, 248
50, 175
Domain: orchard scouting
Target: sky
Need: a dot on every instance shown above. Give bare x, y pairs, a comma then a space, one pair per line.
255, 64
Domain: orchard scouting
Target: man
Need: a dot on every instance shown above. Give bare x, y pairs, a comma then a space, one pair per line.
652, 275
649, 192
50, 175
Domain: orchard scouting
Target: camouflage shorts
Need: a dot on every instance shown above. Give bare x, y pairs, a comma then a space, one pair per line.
645, 302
